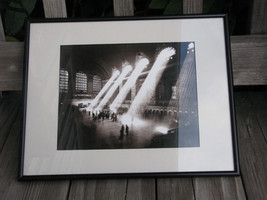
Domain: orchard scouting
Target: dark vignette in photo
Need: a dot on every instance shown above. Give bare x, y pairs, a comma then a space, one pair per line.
128, 96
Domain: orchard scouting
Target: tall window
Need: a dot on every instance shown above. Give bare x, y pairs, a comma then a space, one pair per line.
174, 93
81, 82
160, 91
63, 80
97, 84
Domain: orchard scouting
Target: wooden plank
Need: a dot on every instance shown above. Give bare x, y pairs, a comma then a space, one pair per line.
113, 189
219, 188
10, 188
2, 33
105, 188
11, 65
100, 189
142, 189
249, 59
2, 38
192, 6
55, 8
233, 188
259, 99
252, 148
8, 112
123, 8
208, 188
175, 188
258, 23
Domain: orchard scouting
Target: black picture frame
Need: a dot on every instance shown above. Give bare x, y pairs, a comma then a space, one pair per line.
178, 108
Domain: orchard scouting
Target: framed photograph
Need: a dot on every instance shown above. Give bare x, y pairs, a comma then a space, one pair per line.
128, 97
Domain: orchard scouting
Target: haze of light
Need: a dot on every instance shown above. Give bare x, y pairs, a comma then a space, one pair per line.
140, 66
113, 88
103, 90
149, 86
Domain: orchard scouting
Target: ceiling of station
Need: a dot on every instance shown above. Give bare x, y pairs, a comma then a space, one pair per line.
100, 59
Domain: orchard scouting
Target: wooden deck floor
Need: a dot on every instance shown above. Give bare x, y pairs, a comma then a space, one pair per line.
251, 114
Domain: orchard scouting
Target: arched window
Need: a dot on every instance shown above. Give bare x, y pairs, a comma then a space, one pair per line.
97, 84
81, 82
63, 80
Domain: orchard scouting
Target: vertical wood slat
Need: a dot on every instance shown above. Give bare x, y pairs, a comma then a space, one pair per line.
100, 189
258, 100
175, 188
2, 33
2, 38
141, 188
8, 112
123, 7
55, 8
10, 188
252, 143
105, 188
259, 17
210, 188
135, 188
192, 6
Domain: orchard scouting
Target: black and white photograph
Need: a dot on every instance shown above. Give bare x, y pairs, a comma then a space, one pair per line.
128, 96
124, 96
124, 99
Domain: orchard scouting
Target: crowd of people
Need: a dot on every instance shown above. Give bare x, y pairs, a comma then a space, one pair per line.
103, 115
162, 115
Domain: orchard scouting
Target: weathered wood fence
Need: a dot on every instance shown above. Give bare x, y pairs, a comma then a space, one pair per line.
249, 58
249, 53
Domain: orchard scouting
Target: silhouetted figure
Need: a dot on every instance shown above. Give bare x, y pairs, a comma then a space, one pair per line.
107, 115
116, 119
127, 130
121, 132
